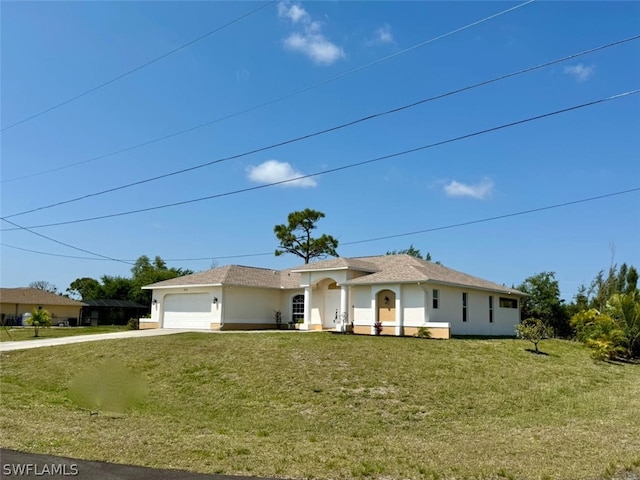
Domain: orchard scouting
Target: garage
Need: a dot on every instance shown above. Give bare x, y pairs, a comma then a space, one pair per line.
188, 310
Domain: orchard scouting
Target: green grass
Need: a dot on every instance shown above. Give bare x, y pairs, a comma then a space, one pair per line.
12, 334
332, 406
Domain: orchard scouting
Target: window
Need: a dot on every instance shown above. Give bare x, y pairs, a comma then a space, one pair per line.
508, 302
490, 309
435, 298
464, 306
297, 308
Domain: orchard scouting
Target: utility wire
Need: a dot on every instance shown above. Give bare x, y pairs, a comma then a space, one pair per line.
66, 244
328, 130
375, 239
139, 67
343, 167
270, 102
498, 217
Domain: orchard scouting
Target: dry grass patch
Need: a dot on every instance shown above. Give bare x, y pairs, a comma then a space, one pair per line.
332, 406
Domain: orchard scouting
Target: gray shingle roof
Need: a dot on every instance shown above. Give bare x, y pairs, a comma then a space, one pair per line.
237, 275
381, 269
405, 268
361, 264
34, 296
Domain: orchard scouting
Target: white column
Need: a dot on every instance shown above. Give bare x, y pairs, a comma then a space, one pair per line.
344, 301
374, 310
399, 312
307, 308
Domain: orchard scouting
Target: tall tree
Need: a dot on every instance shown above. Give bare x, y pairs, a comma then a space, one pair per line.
632, 280
86, 289
44, 285
144, 272
295, 237
543, 302
414, 252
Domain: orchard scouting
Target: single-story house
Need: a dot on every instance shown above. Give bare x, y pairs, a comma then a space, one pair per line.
15, 302
111, 312
401, 292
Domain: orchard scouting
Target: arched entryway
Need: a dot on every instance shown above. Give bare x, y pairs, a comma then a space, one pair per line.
386, 300
331, 304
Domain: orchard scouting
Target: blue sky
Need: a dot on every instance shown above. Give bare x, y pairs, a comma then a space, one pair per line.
52, 51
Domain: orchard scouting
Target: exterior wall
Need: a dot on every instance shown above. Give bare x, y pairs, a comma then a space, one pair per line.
413, 301
363, 311
438, 332
450, 310
415, 309
58, 312
247, 307
146, 325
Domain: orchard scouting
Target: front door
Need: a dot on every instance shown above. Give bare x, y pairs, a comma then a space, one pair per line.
331, 308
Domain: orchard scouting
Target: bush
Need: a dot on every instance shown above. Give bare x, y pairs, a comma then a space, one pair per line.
377, 328
613, 333
133, 324
423, 332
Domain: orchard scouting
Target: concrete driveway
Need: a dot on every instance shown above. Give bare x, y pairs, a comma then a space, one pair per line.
50, 342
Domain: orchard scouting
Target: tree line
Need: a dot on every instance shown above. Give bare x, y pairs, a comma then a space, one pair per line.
605, 314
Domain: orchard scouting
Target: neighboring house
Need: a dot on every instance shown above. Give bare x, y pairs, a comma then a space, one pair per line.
15, 302
111, 312
401, 292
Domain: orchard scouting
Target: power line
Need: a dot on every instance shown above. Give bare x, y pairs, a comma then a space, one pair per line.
328, 130
270, 102
49, 254
499, 217
376, 239
344, 167
65, 244
139, 67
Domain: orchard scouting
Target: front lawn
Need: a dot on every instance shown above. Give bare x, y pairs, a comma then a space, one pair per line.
12, 334
333, 406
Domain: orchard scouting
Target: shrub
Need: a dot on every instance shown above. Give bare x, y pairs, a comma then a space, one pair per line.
377, 327
423, 332
133, 324
613, 333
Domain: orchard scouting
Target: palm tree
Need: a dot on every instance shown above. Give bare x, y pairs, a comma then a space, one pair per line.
39, 318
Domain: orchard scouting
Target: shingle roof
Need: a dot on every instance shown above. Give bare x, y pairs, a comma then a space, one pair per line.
237, 275
361, 264
381, 269
34, 296
405, 268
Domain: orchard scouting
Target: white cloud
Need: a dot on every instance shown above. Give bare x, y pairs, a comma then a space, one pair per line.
381, 36
295, 13
273, 171
480, 190
309, 39
580, 72
314, 46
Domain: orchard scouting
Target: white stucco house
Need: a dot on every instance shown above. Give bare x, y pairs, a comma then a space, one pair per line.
401, 292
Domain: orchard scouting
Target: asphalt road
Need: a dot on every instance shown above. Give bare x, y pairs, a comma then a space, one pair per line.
20, 465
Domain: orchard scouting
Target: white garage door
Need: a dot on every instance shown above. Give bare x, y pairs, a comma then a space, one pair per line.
188, 310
